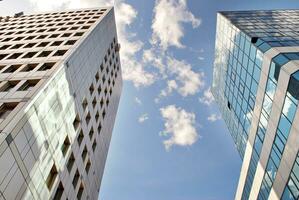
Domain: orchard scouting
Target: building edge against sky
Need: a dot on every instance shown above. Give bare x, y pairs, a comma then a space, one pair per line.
59, 93
256, 85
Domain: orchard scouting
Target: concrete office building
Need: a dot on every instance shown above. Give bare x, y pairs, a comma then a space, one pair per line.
256, 84
60, 85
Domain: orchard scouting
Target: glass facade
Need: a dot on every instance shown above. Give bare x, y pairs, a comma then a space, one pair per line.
282, 133
291, 190
271, 86
271, 28
242, 39
262, 127
236, 76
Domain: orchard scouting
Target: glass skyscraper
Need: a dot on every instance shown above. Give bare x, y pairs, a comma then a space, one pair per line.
256, 85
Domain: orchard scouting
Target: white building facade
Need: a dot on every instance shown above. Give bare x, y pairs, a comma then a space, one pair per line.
60, 86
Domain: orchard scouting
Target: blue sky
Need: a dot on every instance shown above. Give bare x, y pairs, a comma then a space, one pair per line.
169, 141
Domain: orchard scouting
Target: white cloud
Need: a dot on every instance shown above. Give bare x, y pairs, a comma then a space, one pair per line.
143, 117
132, 69
125, 14
179, 125
189, 82
153, 57
207, 98
214, 117
171, 85
167, 24
138, 101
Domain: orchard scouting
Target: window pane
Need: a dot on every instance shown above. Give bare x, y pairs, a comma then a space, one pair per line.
284, 126
287, 195
289, 108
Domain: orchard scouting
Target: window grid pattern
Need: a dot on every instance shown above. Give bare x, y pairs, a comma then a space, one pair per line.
32, 46
261, 130
274, 28
34, 51
281, 136
239, 62
291, 190
96, 101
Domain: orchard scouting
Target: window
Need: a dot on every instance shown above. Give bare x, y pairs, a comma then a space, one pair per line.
41, 30
80, 192
46, 66
44, 54
62, 29
29, 67
85, 27
60, 53
30, 31
56, 43
74, 28
80, 138
84, 104
41, 36
84, 154
228, 105
91, 133
104, 114
16, 46
65, 146
94, 103
29, 55
79, 34
52, 29
54, 36
18, 38
70, 163
97, 76
29, 45
14, 56
28, 85
43, 44
91, 89
87, 118
92, 21
102, 102
6, 39
97, 116
76, 179
76, 122
8, 86
70, 42
66, 35
94, 145
29, 37
88, 164
59, 192
4, 47
51, 177
99, 128
12, 69
6, 109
